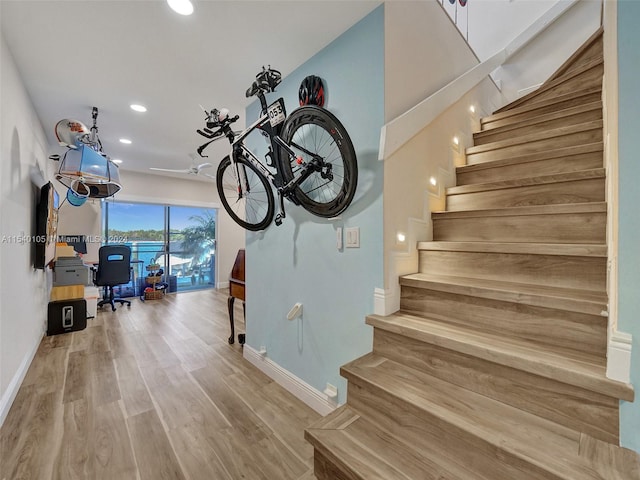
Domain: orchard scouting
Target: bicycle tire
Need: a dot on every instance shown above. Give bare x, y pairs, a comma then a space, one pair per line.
319, 131
253, 207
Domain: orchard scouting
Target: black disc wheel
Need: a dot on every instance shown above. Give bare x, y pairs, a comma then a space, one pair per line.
322, 145
245, 194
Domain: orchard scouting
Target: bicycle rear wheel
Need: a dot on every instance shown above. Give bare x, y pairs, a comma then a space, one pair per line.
315, 133
245, 194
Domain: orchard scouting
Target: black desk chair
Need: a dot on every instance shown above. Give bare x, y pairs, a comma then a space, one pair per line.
114, 268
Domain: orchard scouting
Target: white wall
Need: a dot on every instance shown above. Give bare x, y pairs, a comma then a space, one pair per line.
423, 52
84, 220
489, 25
542, 57
149, 188
24, 291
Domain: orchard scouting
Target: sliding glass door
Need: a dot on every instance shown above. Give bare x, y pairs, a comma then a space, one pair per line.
192, 247
181, 240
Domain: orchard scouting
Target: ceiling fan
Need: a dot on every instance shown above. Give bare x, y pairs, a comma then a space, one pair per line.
193, 170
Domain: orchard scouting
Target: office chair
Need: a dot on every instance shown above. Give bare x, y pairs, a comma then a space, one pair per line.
114, 268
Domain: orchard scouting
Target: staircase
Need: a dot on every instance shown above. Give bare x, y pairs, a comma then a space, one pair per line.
494, 367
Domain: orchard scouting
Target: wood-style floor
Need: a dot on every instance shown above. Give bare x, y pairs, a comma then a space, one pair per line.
154, 392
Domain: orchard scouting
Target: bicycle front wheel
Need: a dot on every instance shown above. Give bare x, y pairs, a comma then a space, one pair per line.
317, 137
245, 194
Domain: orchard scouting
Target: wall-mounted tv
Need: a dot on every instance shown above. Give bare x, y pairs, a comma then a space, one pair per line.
46, 226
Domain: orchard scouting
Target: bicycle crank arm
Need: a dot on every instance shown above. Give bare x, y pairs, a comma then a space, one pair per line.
281, 214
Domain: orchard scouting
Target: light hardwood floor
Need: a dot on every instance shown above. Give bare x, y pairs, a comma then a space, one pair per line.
155, 392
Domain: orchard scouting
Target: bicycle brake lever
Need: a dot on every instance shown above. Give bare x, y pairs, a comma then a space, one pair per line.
201, 149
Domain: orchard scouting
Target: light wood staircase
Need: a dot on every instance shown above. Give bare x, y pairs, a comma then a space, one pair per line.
494, 367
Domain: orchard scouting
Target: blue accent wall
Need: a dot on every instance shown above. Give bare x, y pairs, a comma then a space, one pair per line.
298, 261
629, 199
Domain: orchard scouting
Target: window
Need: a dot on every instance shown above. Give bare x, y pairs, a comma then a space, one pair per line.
181, 239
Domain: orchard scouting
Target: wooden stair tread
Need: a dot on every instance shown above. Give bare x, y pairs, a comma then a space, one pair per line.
583, 301
505, 351
369, 452
537, 105
550, 85
555, 132
533, 439
556, 153
555, 209
540, 119
527, 182
593, 45
581, 249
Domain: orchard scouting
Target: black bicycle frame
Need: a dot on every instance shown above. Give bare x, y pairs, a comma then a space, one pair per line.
277, 146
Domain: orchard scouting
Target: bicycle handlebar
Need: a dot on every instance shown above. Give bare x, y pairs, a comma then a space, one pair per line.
217, 118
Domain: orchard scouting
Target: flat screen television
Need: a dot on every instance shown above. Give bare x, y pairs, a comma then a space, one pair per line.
46, 226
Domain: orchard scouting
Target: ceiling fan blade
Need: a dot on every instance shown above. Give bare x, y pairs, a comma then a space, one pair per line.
170, 170
204, 165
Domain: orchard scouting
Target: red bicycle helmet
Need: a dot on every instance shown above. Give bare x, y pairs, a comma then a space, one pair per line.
311, 91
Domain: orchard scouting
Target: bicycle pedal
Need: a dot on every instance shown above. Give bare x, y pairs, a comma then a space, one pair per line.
278, 220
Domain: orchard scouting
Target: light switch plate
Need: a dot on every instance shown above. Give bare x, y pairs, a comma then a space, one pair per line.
352, 235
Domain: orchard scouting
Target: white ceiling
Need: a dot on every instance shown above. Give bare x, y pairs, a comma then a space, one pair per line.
74, 55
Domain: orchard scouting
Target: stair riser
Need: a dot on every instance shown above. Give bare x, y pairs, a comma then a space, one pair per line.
588, 273
573, 407
324, 469
588, 228
506, 133
421, 430
574, 163
576, 191
592, 135
565, 332
591, 78
509, 117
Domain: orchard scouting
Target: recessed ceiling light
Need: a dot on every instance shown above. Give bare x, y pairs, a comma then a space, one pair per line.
126, 141
117, 160
138, 108
183, 7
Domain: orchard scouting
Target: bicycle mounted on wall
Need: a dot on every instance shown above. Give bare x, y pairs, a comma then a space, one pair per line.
314, 160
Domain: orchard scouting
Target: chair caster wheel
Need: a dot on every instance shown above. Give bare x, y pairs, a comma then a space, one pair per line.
241, 338
231, 340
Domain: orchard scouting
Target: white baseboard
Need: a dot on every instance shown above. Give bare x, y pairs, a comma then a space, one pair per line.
315, 399
12, 389
619, 357
386, 302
